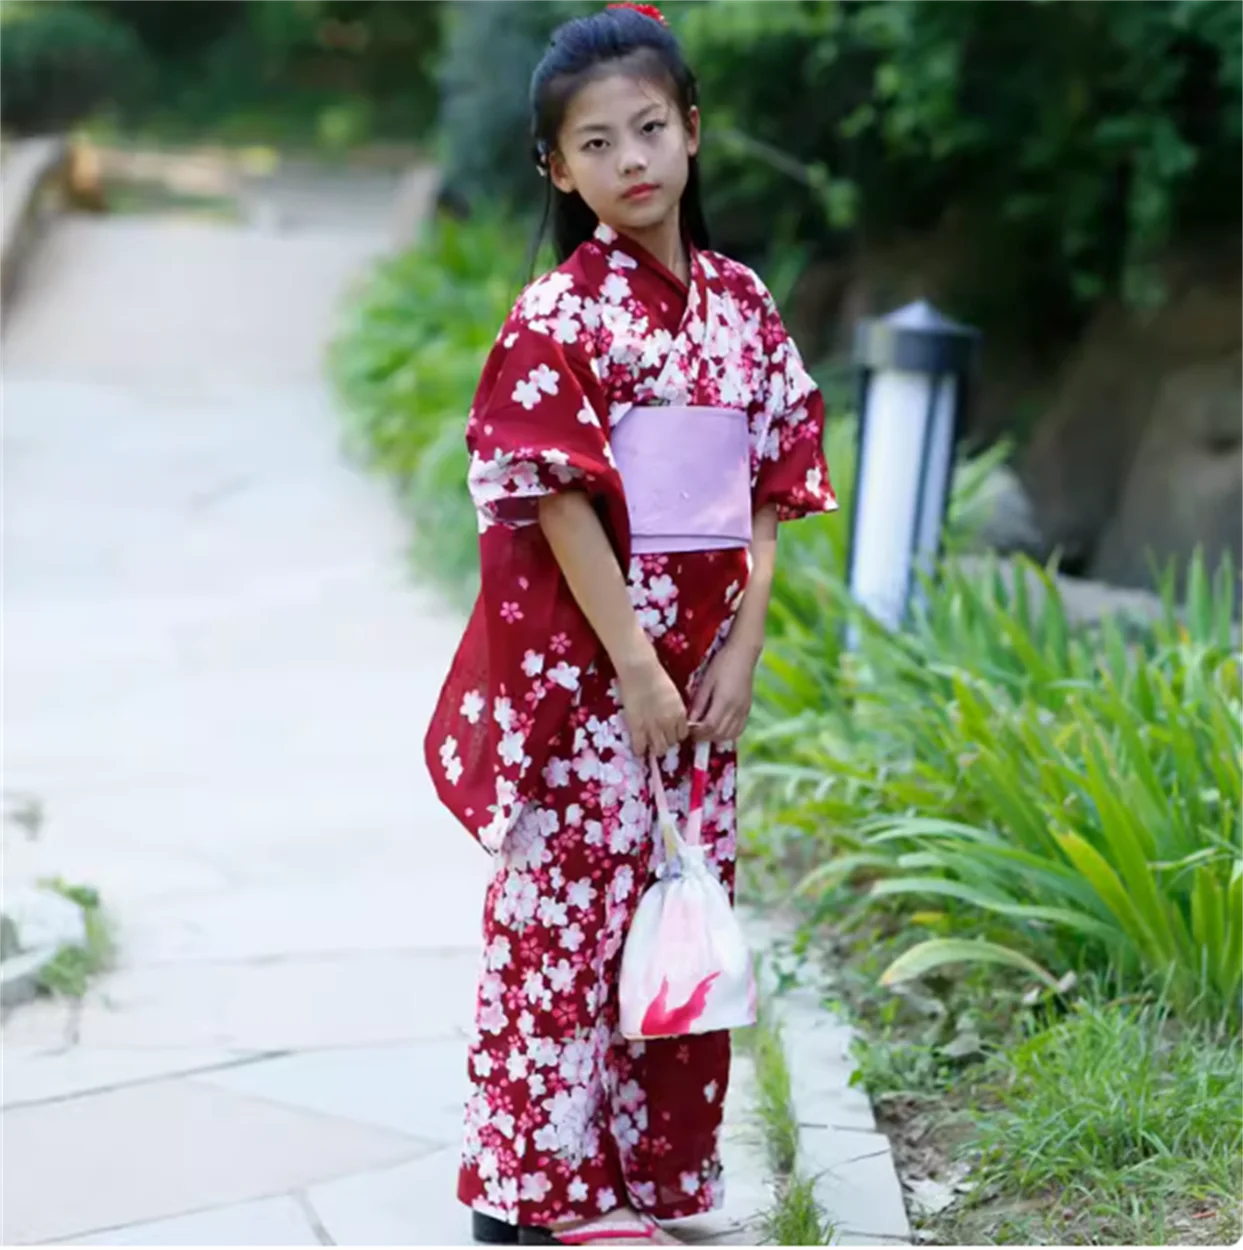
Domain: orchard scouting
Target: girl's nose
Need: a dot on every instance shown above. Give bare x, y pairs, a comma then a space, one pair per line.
632, 162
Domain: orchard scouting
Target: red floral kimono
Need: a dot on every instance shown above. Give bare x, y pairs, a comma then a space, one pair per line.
528, 746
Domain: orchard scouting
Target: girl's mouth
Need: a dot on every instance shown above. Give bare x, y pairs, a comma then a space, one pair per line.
641, 192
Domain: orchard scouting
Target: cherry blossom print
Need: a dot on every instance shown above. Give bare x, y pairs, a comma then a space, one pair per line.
450, 761
539, 382
547, 1066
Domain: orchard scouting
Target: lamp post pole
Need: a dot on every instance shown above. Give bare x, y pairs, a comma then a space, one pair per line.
914, 366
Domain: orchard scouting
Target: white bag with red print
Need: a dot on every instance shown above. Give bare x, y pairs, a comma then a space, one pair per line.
685, 967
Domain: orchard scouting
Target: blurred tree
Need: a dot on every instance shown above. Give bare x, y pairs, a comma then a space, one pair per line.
332, 71
180, 28
59, 62
1073, 139
491, 49
1069, 142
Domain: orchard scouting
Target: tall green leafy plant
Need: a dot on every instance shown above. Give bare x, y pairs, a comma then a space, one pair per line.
1074, 794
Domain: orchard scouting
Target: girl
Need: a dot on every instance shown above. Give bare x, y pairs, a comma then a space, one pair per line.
621, 613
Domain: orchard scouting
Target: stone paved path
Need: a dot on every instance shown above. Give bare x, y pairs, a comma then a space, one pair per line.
216, 679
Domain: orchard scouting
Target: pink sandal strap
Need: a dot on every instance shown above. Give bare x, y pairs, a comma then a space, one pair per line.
597, 1234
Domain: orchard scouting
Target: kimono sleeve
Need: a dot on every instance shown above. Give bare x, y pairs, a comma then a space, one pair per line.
536, 426
791, 471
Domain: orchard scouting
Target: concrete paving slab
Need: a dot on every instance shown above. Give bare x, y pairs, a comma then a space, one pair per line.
850, 1164
32, 1076
410, 1205
44, 1026
863, 1195
824, 1148
415, 1089
361, 913
286, 1005
164, 1149
268, 1222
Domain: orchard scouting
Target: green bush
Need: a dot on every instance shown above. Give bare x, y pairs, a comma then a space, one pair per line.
1070, 141
491, 49
406, 364
60, 62
175, 29
1073, 795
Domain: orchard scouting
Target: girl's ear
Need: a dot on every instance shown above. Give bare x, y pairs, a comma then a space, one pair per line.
559, 172
692, 132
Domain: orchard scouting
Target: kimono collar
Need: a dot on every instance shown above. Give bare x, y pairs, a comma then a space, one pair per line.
609, 237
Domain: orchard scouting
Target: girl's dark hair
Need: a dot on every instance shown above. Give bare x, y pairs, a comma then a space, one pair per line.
579, 50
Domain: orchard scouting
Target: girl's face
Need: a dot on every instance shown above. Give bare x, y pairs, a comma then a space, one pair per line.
623, 146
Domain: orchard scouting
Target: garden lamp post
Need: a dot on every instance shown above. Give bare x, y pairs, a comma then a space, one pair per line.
913, 371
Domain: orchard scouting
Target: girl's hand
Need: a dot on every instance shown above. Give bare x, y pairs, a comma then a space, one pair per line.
722, 703
654, 711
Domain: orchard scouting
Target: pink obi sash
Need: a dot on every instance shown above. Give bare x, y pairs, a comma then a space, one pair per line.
686, 473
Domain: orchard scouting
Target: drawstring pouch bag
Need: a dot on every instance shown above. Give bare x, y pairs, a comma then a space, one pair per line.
685, 966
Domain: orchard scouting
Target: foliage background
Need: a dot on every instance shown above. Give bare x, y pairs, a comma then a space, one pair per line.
321, 74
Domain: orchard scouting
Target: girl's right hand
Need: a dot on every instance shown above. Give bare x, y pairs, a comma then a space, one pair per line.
654, 711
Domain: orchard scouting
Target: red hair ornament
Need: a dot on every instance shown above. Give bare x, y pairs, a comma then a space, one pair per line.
648, 10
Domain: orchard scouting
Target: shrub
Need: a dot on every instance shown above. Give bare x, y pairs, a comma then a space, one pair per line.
60, 62
491, 50
1073, 794
1072, 141
406, 363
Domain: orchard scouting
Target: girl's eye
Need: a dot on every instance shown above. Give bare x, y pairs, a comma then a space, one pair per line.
653, 126
594, 145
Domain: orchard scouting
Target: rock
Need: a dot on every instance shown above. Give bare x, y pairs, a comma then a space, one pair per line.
44, 918
1138, 451
1074, 468
1185, 487
1009, 523
1085, 602
37, 923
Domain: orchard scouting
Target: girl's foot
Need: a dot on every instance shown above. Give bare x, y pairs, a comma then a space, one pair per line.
618, 1228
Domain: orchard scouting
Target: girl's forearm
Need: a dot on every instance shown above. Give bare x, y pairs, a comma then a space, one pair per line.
594, 576
750, 623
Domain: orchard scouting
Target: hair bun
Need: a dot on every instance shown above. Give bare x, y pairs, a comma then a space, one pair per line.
648, 10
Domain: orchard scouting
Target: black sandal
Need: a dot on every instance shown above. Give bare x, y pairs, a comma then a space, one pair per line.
490, 1232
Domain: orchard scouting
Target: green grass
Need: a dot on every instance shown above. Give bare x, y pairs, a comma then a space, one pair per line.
795, 1218
1123, 1125
70, 972
774, 1102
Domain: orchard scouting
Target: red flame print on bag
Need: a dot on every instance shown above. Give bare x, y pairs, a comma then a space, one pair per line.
660, 1021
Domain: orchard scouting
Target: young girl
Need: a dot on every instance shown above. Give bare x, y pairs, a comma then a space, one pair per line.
621, 615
